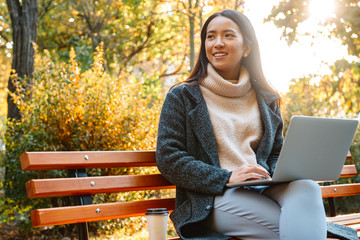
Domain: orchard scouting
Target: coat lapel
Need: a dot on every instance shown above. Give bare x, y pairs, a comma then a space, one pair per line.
201, 123
271, 122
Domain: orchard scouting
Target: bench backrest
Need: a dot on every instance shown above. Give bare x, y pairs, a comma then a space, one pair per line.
37, 188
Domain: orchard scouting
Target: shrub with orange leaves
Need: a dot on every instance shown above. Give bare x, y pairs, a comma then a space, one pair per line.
72, 110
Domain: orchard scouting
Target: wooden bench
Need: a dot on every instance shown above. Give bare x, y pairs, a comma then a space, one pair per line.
330, 191
83, 186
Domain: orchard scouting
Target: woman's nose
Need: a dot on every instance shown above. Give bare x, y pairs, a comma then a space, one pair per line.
219, 42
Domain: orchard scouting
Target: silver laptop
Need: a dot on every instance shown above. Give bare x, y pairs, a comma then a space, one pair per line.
314, 148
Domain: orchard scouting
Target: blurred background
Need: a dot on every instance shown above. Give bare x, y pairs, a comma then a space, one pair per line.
92, 75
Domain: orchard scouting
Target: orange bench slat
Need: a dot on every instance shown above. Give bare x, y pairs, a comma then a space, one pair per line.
348, 171
88, 213
344, 217
340, 190
85, 159
56, 187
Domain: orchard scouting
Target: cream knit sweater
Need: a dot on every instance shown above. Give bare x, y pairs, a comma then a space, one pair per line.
235, 117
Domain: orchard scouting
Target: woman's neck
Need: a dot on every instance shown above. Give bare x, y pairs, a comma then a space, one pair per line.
229, 74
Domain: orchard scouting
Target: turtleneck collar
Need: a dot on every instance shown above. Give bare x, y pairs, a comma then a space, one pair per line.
227, 88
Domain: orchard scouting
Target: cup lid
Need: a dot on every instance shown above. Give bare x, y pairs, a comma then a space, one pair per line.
156, 211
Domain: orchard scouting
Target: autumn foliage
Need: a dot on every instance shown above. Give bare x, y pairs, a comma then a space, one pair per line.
68, 110
72, 110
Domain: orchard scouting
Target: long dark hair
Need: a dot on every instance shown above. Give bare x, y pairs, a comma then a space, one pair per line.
252, 62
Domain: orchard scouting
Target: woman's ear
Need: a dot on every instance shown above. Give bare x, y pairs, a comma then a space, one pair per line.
247, 50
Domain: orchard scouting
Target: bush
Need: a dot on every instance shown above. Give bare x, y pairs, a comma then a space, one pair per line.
70, 110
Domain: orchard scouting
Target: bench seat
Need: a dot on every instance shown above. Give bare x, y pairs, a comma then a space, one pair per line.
350, 220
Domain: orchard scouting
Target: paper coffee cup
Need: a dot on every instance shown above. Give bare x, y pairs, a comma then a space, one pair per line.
157, 223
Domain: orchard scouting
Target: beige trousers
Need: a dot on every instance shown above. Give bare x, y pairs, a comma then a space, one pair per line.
288, 211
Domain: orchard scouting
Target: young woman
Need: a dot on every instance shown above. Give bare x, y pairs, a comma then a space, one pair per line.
223, 125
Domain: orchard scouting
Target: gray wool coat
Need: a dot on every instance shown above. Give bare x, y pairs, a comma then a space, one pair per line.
186, 154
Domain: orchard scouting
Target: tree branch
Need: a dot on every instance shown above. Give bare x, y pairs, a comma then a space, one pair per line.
4, 37
106, 14
141, 47
164, 74
45, 7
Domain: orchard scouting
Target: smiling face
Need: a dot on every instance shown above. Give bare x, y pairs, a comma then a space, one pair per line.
225, 47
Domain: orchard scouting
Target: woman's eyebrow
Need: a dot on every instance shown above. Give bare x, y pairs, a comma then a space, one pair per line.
226, 30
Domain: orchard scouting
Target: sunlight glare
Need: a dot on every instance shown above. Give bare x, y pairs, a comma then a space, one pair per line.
321, 9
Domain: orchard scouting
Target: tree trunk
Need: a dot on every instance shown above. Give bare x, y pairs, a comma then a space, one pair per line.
24, 24
23, 16
192, 15
192, 44
238, 4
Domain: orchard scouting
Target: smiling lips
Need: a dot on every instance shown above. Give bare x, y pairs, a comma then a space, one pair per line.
219, 54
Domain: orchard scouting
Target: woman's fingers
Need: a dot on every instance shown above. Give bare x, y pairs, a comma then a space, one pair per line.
253, 168
249, 172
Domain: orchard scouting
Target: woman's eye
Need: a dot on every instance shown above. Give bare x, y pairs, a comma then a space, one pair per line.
210, 36
229, 35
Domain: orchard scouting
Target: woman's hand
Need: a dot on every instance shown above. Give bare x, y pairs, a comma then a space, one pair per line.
248, 172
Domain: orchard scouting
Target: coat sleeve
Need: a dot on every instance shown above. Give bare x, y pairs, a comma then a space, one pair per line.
173, 158
278, 141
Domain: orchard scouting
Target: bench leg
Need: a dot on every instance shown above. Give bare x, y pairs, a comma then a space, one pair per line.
332, 210
83, 231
